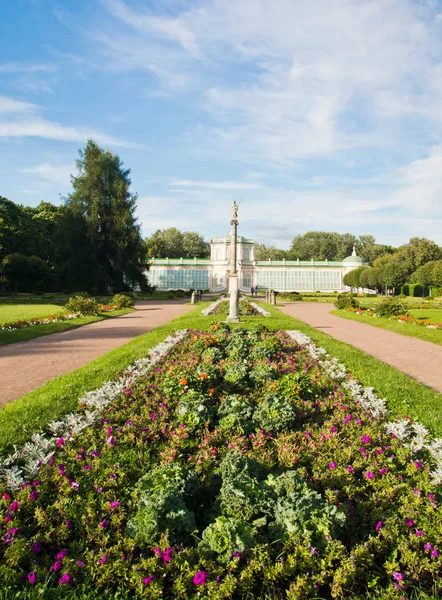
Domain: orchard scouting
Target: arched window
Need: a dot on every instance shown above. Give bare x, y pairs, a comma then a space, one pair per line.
247, 281
219, 280
246, 254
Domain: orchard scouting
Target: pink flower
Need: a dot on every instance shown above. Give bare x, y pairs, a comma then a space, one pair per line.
36, 547
34, 495
435, 553
410, 522
103, 559
57, 565
14, 506
200, 578
417, 464
379, 525
332, 465
153, 416
427, 547
365, 439
114, 504
104, 523
111, 441
347, 419
419, 532
383, 471
397, 576
64, 579
350, 469
369, 475
62, 554
32, 578
80, 563
60, 442
149, 579
6, 496
68, 524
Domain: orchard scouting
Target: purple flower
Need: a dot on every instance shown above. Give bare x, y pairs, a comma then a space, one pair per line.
149, 579
397, 576
332, 465
365, 439
80, 563
379, 525
419, 532
64, 579
200, 578
34, 495
383, 471
237, 554
13, 531
410, 522
14, 506
435, 553
427, 547
154, 416
68, 524
369, 475
103, 559
36, 547
350, 469
104, 523
347, 419
114, 504
62, 554
60, 442
57, 565
75, 485
417, 464
111, 441
32, 578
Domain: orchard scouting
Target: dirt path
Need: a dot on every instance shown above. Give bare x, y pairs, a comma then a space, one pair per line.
26, 366
421, 360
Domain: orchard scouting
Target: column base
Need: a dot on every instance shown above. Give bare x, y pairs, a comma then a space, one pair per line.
233, 320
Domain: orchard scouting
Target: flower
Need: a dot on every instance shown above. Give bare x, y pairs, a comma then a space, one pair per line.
183, 381
410, 522
103, 559
57, 565
369, 475
397, 576
237, 554
65, 578
427, 547
383, 471
149, 579
419, 532
80, 563
14, 506
62, 554
6, 496
32, 578
365, 439
379, 525
60, 442
332, 465
350, 469
200, 578
104, 523
114, 504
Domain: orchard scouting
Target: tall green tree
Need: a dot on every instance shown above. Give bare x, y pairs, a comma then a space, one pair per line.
102, 196
263, 252
173, 243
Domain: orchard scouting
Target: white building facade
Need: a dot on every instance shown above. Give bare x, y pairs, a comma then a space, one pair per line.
280, 275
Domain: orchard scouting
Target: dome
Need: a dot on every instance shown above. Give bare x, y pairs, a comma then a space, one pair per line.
354, 258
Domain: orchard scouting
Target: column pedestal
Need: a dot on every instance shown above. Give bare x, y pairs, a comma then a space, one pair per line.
234, 300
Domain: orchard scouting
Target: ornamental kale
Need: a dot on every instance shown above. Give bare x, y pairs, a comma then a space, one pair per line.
226, 536
235, 411
161, 507
193, 409
275, 413
236, 373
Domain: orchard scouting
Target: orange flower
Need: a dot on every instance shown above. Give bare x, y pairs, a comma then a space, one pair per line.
211, 391
183, 381
203, 376
195, 337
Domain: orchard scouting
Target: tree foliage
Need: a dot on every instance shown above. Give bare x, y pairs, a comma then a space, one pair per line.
173, 243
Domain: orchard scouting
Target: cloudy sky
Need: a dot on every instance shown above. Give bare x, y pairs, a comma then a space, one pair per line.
319, 115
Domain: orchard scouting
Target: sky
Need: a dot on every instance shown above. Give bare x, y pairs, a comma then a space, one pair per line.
320, 115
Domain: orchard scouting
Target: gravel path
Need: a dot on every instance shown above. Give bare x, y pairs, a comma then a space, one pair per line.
418, 359
25, 366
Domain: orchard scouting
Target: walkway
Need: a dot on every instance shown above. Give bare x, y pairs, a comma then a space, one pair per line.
418, 359
25, 366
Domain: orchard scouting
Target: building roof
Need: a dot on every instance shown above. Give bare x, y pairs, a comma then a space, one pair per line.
226, 239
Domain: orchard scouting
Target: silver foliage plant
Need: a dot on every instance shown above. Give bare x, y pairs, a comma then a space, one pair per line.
413, 435
207, 311
24, 462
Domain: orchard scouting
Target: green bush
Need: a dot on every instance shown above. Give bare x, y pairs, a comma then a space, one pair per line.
123, 300
391, 307
82, 305
346, 301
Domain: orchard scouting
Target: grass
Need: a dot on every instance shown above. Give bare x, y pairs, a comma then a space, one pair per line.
409, 329
432, 314
28, 414
30, 333
16, 312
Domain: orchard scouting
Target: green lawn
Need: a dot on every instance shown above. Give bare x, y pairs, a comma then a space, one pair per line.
15, 312
409, 329
30, 333
432, 314
19, 419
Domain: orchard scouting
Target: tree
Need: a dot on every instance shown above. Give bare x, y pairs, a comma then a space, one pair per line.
424, 275
370, 250
394, 274
437, 273
25, 273
353, 278
101, 195
263, 252
173, 243
417, 252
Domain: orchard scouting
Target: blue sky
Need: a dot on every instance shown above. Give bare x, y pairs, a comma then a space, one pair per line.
320, 115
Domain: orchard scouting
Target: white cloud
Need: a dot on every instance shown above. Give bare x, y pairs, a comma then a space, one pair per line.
52, 173
215, 185
30, 124
14, 67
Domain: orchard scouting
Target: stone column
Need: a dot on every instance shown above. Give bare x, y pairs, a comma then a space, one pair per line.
233, 272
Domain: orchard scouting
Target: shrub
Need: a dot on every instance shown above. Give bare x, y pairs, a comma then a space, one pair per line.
391, 307
123, 300
346, 301
82, 305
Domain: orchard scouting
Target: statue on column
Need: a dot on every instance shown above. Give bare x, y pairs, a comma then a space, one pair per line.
234, 210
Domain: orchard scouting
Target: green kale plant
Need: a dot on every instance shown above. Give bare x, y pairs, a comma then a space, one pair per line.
227, 535
275, 413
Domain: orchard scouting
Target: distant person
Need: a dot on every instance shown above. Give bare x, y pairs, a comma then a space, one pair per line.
252, 291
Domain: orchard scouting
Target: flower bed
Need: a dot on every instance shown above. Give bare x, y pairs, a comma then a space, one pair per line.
369, 312
245, 464
57, 318
246, 308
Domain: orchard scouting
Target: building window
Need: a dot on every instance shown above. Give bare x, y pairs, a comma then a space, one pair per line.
246, 254
219, 280
247, 281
